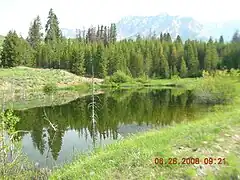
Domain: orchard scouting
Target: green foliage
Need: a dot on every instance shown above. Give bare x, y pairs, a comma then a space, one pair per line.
34, 35
13, 163
9, 145
50, 88
211, 57
183, 68
175, 77
215, 88
16, 51
143, 79
120, 77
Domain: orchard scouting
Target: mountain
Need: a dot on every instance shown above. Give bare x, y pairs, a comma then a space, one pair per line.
186, 27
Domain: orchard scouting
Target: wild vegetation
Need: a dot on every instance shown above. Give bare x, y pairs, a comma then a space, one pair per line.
13, 163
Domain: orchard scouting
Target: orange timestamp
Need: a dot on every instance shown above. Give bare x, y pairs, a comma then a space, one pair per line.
189, 160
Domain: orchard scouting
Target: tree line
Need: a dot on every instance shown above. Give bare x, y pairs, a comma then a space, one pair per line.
152, 56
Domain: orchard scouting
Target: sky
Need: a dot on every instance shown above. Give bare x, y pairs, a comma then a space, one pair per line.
18, 14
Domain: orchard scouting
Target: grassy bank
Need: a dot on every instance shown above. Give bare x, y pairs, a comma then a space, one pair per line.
24, 78
214, 135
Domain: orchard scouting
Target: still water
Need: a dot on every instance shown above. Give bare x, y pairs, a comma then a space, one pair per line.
118, 114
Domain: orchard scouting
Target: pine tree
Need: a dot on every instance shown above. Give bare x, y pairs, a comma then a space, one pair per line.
34, 35
183, 68
113, 33
221, 40
211, 56
102, 33
179, 40
136, 64
192, 62
53, 32
208, 59
163, 67
16, 51
10, 52
100, 61
168, 38
77, 60
26, 54
236, 37
173, 61
155, 52
98, 33
161, 37
147, 62
105, 36
113, 63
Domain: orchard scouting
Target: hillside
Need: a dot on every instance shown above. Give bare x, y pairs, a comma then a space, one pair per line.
20, 78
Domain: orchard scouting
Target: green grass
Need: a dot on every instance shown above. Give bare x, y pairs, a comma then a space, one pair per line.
216, 134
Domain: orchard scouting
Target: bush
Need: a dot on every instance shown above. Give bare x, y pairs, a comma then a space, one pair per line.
120, 77
143, 79
49, 88
215, 90
107, 80
175, 77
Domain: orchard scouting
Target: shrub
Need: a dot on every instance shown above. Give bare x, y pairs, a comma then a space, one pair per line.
175, 77
215, 90
49, 88
120, 77
143, 79
107, 80
13, 162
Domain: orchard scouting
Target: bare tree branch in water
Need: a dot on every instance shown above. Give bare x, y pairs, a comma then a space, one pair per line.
47, 119
93, 104
55, 131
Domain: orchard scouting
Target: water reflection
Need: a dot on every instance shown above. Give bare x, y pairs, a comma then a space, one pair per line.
118, 113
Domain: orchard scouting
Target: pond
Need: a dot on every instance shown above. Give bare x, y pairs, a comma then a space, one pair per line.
118, 114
